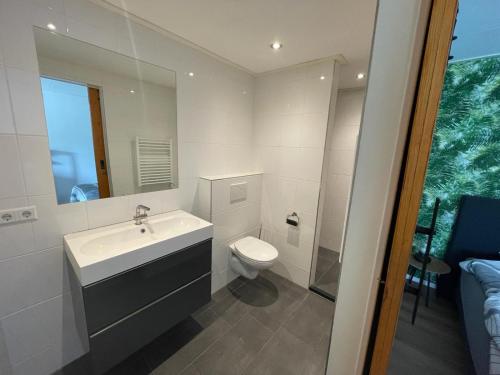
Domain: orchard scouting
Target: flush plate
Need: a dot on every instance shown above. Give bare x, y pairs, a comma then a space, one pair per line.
238, 192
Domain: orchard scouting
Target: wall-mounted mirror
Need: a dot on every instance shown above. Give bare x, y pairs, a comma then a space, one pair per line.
111, 120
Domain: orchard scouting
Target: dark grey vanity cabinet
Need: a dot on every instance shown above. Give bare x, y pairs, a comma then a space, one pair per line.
128, 310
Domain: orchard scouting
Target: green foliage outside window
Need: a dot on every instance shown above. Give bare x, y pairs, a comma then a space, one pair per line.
465, 155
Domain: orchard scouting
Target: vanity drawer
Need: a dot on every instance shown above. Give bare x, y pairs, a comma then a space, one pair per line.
116, 342
111, 299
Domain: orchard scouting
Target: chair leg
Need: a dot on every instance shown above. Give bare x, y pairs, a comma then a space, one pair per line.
417, 299
415, 308
428, 289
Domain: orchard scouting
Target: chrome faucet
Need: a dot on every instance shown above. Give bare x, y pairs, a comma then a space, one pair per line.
140, 216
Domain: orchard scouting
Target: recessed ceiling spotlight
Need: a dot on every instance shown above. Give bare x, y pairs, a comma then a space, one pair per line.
276, 45
360, 75
322, 78
132, 91
51, 26
191, 74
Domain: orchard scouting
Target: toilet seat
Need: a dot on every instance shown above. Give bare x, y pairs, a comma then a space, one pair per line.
254, 250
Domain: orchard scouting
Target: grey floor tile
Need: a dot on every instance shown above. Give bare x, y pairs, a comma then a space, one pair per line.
312, 322
237, 283
227, 290
328, 255
77, 367
244, 321
284, 286
329, 280
205, 317
220, 295
326, 258
272, 316
275, 314
136, 364
287, 354
168, 344
191, 350
235, 350
322, 267
258, 293
190, 370
231, 308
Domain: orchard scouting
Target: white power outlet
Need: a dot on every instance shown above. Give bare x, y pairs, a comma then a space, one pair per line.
26, 213
19, 214
8, 216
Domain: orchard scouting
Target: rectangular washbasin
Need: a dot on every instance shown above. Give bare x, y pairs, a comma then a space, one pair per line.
103, 252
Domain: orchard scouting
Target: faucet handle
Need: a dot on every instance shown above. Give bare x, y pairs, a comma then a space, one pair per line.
143, 207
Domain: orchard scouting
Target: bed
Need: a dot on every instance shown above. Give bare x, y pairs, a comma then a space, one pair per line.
475, 235
84, 192
479, 341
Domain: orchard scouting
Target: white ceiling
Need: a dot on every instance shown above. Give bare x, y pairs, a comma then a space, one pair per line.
242, 30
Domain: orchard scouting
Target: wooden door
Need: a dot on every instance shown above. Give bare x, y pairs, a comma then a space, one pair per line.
98, 139
434, 65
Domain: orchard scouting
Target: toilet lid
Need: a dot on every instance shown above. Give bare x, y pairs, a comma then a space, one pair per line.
255, 249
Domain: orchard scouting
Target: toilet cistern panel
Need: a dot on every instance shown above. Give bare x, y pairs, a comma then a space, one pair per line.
238, 192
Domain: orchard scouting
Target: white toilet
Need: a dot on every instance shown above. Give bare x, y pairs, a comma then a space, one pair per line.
249, 255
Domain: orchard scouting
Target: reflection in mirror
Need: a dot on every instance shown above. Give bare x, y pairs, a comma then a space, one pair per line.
111, 120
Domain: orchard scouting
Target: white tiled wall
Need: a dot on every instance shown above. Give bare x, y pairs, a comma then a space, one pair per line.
215, 112
340, 151
291, 115
231, 221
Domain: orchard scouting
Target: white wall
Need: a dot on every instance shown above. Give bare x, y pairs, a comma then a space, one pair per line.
340, 150
232, 221
291, 115
37, 335
150, 112
399, 34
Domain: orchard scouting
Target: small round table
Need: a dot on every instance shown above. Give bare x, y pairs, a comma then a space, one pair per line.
435, 266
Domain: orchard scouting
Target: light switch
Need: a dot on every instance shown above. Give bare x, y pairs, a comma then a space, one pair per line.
238, 192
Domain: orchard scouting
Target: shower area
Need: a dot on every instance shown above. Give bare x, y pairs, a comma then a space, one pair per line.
336, 181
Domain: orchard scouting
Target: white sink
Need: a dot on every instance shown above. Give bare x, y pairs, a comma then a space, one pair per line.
103, 252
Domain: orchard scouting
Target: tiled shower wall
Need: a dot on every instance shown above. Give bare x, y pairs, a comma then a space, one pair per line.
215, 109
291, 115
340, 151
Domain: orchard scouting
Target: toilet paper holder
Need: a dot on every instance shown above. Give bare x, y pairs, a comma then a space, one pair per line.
293, 219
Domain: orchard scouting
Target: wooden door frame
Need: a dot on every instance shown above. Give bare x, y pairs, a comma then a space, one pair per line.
435, 61
101, 162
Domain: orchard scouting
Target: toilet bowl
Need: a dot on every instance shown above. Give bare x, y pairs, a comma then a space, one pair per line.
249, 255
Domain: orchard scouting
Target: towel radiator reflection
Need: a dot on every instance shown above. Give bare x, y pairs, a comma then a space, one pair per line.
154, 161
